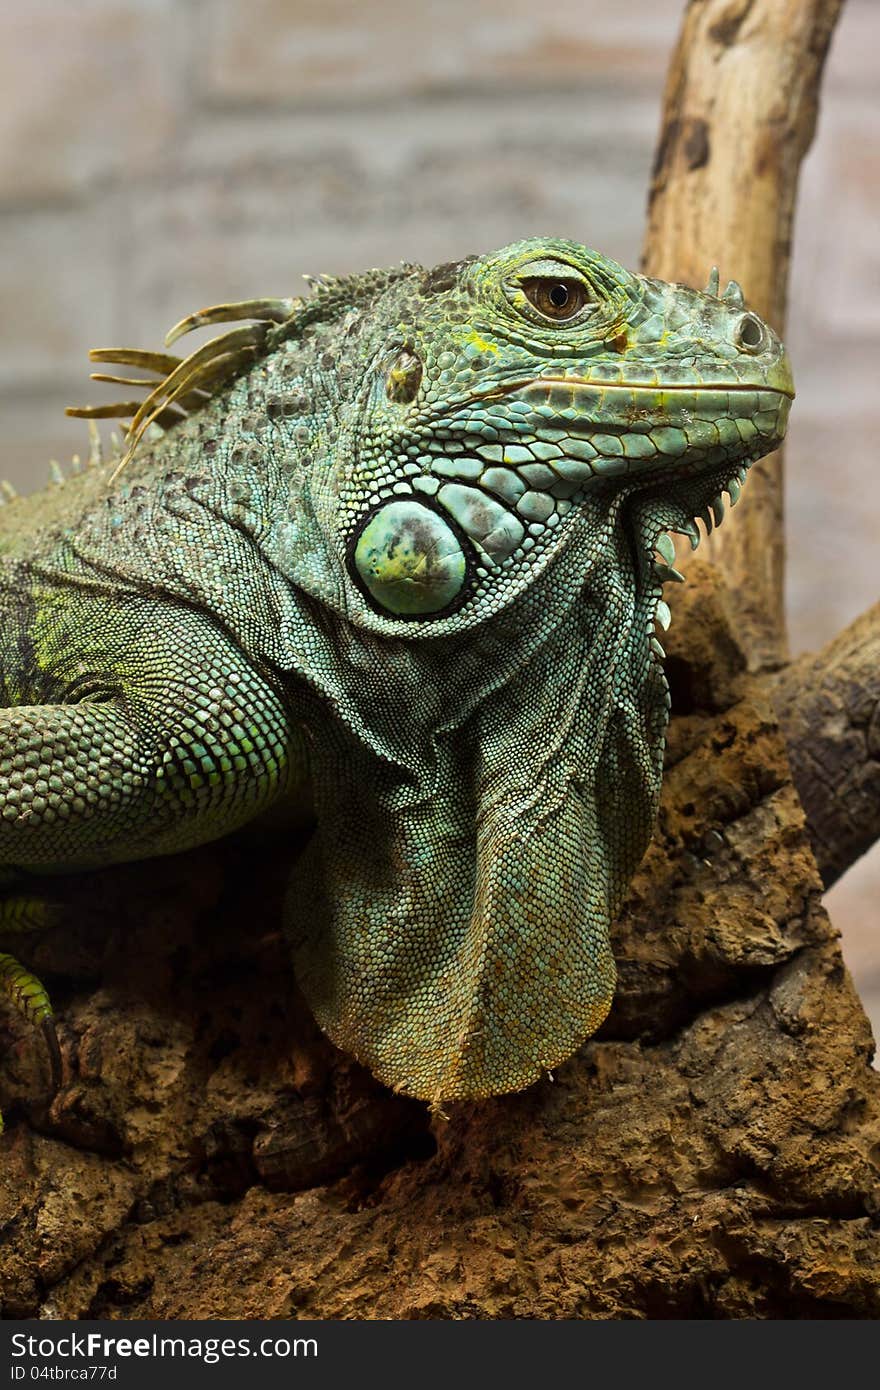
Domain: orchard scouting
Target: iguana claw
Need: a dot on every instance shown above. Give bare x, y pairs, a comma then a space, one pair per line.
31, 999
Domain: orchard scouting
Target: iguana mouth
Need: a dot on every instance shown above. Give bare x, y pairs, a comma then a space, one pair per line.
644, 387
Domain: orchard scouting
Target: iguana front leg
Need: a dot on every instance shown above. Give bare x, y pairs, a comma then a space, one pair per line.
23, 914
31, 999
186, 744
146, 773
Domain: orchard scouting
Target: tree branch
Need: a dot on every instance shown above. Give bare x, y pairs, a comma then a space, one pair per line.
828, 704
739, 115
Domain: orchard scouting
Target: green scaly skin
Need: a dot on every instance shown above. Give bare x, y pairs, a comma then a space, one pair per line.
405, 560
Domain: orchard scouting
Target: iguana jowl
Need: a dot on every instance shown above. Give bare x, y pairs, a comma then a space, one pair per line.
397, 543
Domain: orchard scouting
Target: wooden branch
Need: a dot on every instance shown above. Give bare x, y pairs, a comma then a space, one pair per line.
739, 115
828, 704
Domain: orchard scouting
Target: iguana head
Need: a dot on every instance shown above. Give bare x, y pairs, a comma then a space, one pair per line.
458, 426
514, 391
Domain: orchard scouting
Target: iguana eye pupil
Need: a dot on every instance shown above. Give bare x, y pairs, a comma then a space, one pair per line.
556, 299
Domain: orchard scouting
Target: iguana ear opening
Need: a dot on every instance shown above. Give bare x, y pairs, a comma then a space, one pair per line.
404, 377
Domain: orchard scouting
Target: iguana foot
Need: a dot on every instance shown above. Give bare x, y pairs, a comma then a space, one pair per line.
32, 1000
22, 914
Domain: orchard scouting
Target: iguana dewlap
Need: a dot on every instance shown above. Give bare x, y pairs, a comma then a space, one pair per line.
396, 542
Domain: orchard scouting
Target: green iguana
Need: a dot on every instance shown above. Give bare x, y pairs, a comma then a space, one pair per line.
394, 544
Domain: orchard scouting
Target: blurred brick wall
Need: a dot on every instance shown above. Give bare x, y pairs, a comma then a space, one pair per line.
156, 155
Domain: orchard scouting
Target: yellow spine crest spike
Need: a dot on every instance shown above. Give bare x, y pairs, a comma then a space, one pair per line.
118, 410
160, 362
226, 342
146, 382
262, 310
191, 402
230, 351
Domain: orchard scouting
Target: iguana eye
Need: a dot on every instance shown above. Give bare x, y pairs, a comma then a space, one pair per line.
556, 298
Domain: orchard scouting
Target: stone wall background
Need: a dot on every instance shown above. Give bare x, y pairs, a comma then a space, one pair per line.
156, 155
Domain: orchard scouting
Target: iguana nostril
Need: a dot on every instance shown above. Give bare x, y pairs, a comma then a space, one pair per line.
750, 335
409, 559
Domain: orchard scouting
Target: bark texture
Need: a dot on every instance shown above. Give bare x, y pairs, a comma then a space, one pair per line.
714, 1153
739, 115
829, 706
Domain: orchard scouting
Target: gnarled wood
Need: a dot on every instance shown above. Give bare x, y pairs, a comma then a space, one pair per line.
738, 117
828, 703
